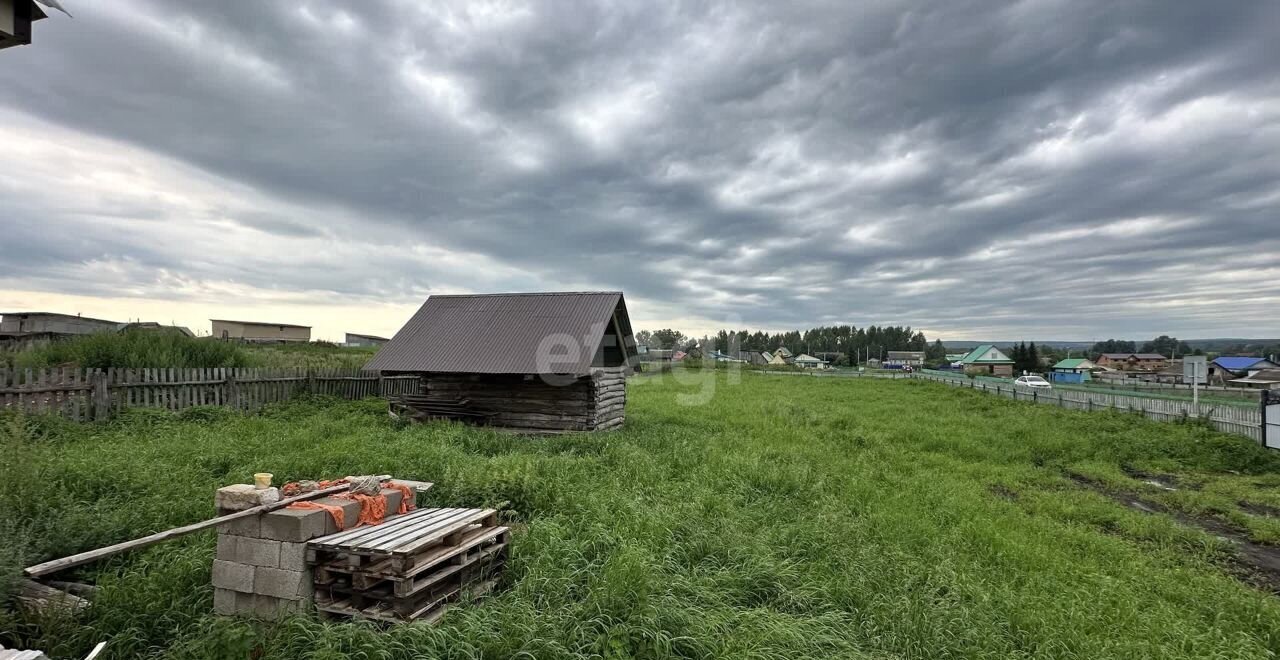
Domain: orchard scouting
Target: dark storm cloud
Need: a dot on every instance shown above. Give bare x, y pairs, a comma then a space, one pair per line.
982, 168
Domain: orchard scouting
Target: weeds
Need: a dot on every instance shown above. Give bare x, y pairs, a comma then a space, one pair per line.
787, 518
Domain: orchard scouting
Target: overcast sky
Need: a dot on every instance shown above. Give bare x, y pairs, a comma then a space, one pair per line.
1044, 169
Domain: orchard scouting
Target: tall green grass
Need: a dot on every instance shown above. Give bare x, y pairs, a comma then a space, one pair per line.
139, 349
774, 518
134, 349
318, 355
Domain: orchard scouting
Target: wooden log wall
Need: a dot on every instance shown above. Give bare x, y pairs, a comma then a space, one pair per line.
97, 394
609, 386
530, 403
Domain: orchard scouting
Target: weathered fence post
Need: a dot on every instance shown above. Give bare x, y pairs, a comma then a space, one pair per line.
382, 385
233, 390
311, 381
101, 396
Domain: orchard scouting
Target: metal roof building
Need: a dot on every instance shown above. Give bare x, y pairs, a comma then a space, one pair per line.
543, 362
512, 333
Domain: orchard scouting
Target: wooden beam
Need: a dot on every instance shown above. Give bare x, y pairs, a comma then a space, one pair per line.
55, 565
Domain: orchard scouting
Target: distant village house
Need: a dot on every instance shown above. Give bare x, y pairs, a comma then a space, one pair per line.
1072, 370
257, 332
359, 340
1265, 379
903, 359
1133, 361
1229, 367
986, 359
806, 361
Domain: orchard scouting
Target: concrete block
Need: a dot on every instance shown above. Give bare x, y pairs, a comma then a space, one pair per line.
293, 556
247, 526
294, 525
226, 549
393, 500
224, 601
273, 609
234, 576
350, 513
282, 583
257, 552
238, 497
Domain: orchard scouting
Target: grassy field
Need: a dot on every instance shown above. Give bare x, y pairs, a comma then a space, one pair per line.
774, 518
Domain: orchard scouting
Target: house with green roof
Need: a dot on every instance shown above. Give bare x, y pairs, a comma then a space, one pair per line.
987, 360
1072, 370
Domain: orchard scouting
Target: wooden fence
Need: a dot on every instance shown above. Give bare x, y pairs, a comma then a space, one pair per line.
97, 394
1228, 418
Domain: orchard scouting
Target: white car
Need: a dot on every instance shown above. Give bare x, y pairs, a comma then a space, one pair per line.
1033, 382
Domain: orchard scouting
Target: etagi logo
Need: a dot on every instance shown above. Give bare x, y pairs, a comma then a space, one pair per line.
562, 358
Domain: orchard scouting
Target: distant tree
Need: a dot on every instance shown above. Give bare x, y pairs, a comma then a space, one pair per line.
936, 352
644, 337
1033, 358
1166, 346
1113, 346
668, 338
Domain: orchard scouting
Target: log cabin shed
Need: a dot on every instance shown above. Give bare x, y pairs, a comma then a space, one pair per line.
533, 362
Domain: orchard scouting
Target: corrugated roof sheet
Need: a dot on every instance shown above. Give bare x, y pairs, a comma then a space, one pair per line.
1264, 376
278, 325
1235, 363
505, 333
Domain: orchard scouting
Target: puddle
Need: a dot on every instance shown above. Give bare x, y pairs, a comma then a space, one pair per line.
1166, 482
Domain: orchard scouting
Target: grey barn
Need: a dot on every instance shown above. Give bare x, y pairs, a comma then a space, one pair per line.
534, 362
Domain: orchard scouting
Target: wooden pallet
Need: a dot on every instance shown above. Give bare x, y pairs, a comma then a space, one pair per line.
408, 565
429, 612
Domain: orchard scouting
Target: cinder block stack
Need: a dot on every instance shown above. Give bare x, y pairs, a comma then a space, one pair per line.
260, 568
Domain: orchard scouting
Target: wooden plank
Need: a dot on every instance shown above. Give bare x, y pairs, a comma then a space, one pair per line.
82, 558
347, 538
416, 539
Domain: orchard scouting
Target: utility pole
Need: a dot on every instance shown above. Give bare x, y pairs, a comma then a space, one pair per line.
1195, 388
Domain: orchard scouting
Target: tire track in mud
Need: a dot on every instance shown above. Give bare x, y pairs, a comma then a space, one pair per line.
1254, 563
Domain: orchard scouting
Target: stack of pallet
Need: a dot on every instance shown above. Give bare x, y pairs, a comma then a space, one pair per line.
410, 567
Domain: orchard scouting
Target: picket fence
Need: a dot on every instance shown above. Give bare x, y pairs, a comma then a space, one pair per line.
97, 394
1231, 419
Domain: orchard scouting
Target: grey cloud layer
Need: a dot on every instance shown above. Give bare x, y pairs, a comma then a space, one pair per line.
1066, 168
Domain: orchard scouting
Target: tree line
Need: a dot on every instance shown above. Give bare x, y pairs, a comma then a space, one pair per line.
842, 344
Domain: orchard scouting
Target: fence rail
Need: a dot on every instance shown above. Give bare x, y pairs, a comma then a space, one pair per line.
97, 394
1228, 418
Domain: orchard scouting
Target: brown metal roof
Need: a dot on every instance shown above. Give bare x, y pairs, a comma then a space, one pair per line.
505, 333
277, 325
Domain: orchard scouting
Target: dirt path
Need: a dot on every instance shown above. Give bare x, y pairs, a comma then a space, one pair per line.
1256, 564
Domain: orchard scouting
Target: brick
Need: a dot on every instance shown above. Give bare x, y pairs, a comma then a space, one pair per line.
282, 583
294, 525
293, 556
258, 552
238, 497
350, 514
233, 576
